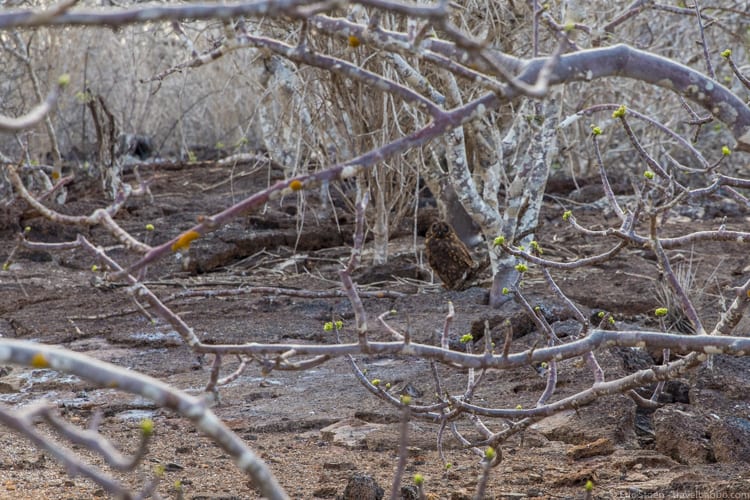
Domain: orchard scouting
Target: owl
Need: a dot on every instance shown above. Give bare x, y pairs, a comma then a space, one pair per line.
448, 256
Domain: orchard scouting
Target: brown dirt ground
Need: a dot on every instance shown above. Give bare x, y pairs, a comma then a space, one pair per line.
51, 298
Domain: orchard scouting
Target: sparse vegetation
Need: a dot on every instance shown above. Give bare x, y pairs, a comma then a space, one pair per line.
369, 111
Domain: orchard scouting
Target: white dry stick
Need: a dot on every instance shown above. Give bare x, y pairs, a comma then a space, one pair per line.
111, 376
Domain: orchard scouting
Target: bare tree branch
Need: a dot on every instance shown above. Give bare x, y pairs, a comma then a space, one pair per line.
108, 375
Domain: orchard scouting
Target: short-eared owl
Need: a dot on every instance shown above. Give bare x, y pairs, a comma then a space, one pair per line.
448, 256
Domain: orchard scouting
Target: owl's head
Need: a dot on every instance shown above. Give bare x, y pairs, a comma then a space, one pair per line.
439, 229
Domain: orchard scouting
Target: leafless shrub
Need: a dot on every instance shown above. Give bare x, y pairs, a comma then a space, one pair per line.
441, 110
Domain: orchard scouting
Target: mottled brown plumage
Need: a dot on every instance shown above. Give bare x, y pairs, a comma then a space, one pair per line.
448, 256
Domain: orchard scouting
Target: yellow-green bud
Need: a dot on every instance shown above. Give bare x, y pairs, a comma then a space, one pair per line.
64, 80
418, 479
589, 486
661, 312
595, 130
648, 174
147, 426
405, 399
490, 453
619, 112
500, 240
375, 382
726, 151
521, 267
149, 227
567, 214
726, 54
466, 338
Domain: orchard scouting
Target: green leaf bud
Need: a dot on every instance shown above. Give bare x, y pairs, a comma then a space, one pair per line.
147, 427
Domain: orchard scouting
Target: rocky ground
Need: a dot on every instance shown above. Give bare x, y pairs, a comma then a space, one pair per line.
318, 428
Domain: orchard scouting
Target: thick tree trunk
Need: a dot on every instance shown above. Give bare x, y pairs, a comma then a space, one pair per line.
524, 197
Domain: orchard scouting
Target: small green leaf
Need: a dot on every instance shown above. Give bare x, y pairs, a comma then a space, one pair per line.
466, 338
661, 312
147, 426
